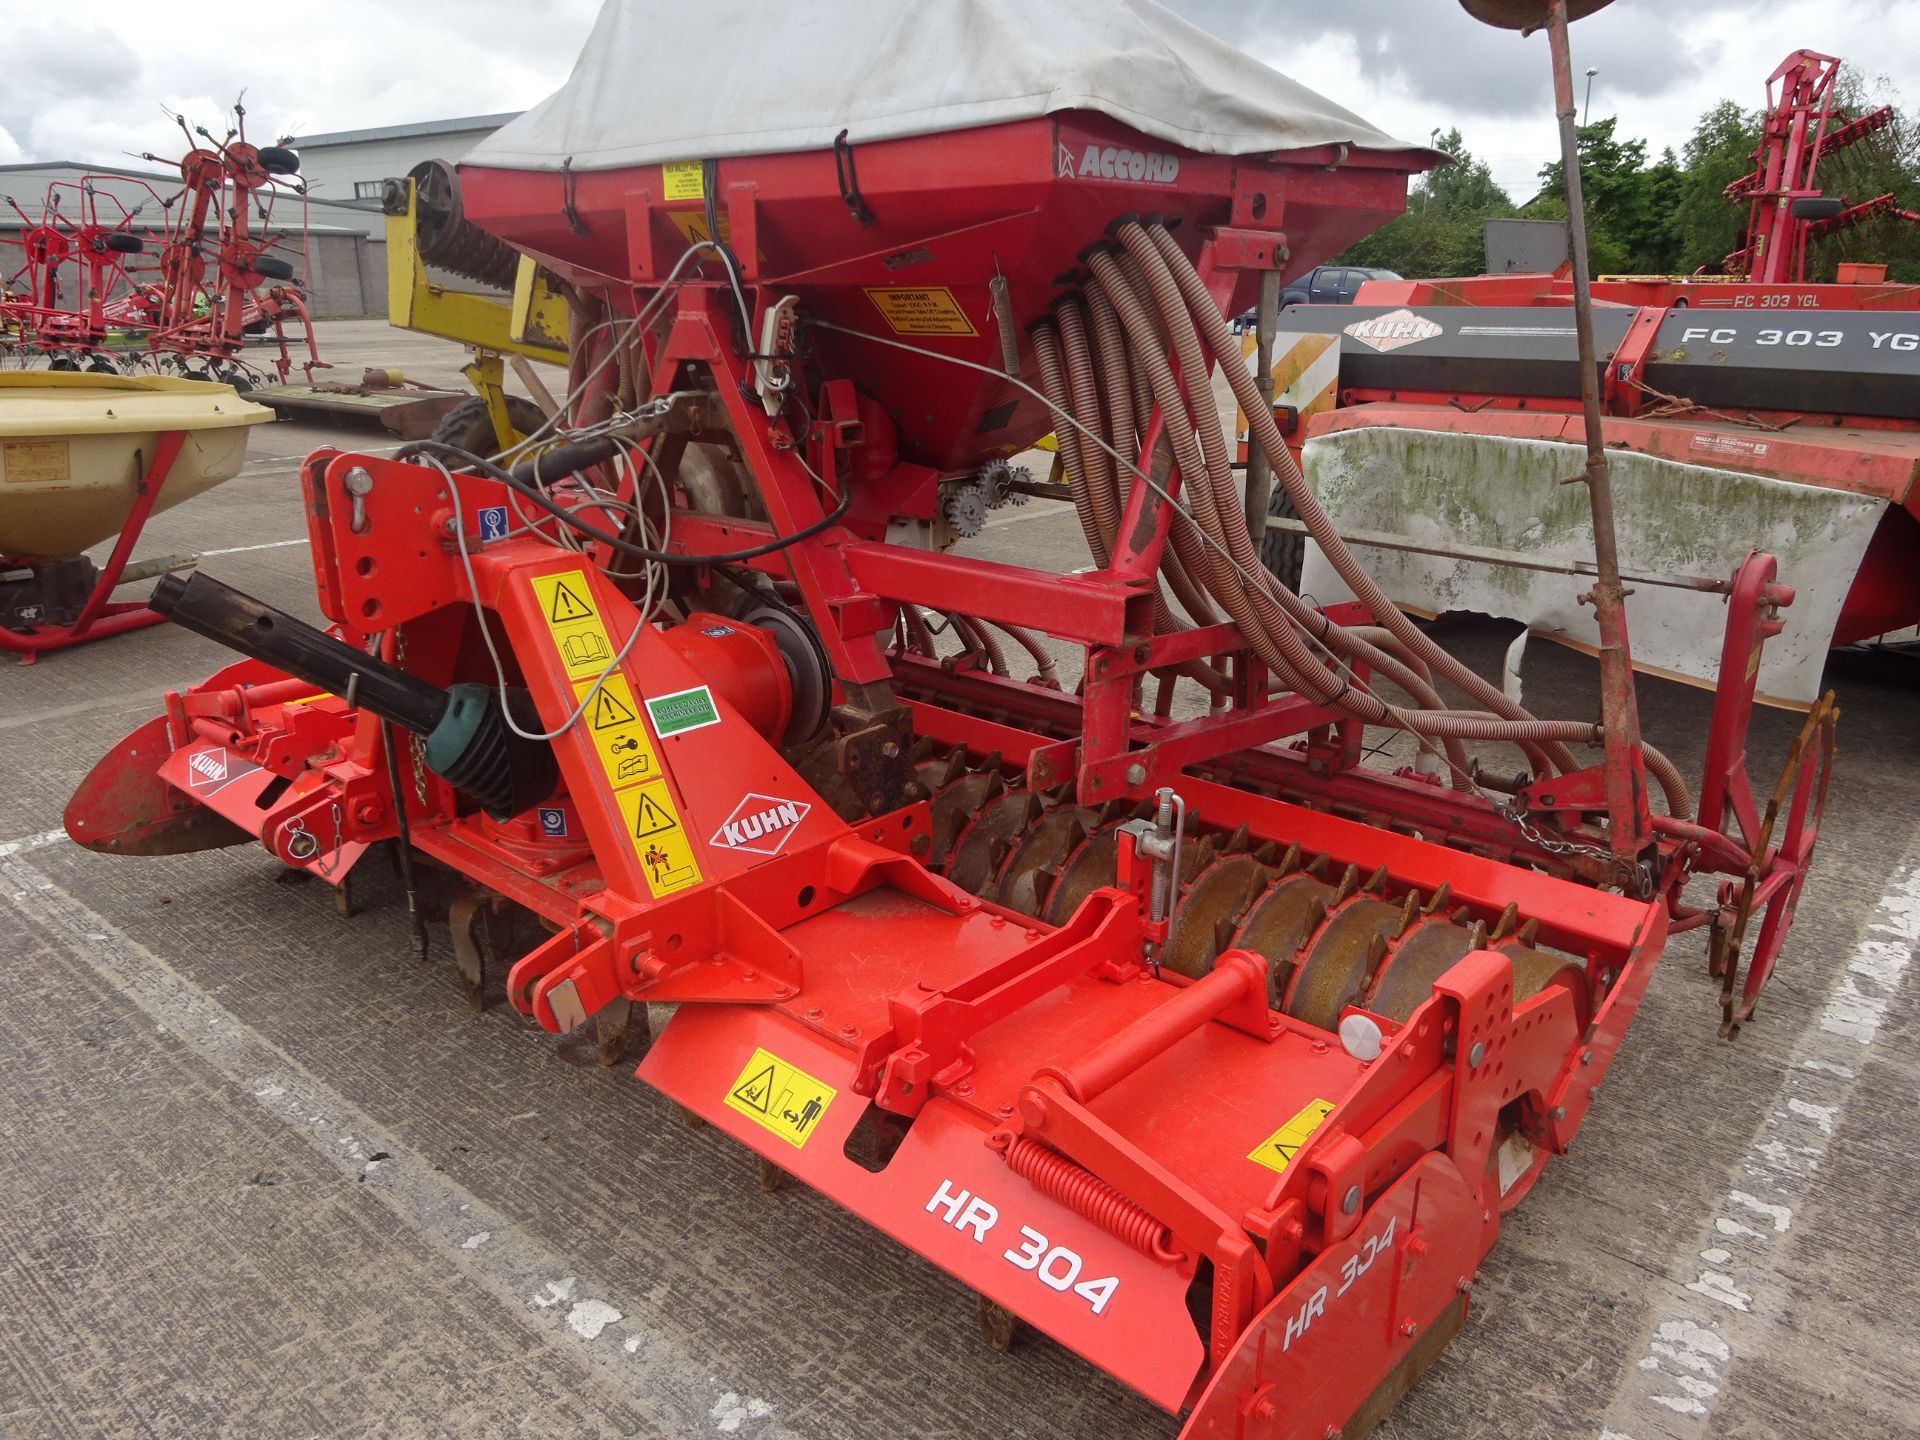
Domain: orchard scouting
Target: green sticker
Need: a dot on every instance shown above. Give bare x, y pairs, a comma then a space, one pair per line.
684, 710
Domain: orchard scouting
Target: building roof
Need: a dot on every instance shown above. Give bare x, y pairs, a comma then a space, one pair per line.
407, 132
88, 169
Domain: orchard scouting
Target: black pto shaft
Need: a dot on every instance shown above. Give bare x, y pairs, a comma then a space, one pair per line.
469, 742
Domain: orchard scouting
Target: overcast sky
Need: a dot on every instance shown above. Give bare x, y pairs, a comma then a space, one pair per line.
93, 83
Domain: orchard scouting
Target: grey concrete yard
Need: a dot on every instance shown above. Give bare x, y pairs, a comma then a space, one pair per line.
262, 1174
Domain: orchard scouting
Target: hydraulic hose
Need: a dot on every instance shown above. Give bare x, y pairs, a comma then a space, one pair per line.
1158, 244
1074, 449
1512, 722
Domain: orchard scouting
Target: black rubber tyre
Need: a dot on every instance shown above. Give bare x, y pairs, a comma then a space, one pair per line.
1284, 552
124, 242
101, 365
1817, 207
278, 160
272, 267
468, 426
62, 362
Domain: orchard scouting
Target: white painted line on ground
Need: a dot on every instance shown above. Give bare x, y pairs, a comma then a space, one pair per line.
536, 1287
31, 842
1739, 1295
243, 549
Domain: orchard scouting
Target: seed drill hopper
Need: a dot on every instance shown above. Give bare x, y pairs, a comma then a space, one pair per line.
1143, 1008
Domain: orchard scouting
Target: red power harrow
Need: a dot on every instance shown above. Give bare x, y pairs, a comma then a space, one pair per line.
658, 712
84, 297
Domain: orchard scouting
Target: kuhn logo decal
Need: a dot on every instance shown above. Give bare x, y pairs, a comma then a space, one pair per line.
1107, 162
761, 824
1394, 329
208, 767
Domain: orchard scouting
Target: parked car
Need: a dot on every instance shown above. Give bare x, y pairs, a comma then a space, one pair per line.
1331, 284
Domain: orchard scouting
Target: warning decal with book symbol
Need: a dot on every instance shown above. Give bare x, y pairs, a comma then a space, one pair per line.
612, 723
780, 1097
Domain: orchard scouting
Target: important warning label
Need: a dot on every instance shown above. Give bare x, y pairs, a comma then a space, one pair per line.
1276, 1152
683, 180
611, 722
35, 462
780, 1097
912, 311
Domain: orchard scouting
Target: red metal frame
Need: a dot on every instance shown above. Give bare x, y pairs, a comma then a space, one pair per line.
1070, 1130
101, 616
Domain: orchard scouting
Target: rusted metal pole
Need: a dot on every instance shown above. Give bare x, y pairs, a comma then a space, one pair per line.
1628, 830
1259, 471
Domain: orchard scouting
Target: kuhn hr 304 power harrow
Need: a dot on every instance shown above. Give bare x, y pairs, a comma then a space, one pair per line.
1144, 1009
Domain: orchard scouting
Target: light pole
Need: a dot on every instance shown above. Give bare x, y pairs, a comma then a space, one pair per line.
1587, 110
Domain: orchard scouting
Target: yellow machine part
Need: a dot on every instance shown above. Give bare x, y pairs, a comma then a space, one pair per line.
532, 322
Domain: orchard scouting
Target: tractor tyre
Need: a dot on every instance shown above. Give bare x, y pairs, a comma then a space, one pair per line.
278, 160
468, 426
1817, 207
124, 242
272, 267
1284, 552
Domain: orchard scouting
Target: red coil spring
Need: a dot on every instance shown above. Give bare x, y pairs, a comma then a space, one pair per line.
1079, 1189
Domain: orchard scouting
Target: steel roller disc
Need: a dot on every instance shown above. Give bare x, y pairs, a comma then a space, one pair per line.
1425, 953
1278, 924
1333, 976
1208, 912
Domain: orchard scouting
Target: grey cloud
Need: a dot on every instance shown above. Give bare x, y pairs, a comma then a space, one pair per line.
1432, 50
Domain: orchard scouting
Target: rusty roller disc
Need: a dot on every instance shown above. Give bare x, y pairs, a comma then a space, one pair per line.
1526, 14
1278, 924
1094, 864
1097, 863
984, 844
1209, 911
1534, 970
1336, 970
1027, 877
1425, 953
954, 807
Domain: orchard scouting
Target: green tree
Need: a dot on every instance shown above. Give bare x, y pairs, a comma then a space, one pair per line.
1720, 151
1630, 223
1439, 235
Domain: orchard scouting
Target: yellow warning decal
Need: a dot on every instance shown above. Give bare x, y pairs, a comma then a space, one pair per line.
620, 739
693, 225
920, 311
1276, 1152
780, 1097
612, 721
566, 604
659, 839
683, 180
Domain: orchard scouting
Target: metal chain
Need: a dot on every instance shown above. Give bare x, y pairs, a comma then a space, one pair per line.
1633, 879
416, 745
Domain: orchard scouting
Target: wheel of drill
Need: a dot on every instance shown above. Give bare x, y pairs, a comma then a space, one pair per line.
1284, 552
1783, 853
468, 426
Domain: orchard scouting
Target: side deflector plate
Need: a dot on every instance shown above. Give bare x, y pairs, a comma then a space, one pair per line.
945, 1193
124, 807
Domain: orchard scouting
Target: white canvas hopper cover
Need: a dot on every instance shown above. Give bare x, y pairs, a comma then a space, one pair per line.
694, 79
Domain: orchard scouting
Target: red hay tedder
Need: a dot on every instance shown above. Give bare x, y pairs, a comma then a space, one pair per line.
82, 296
1144, 1009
